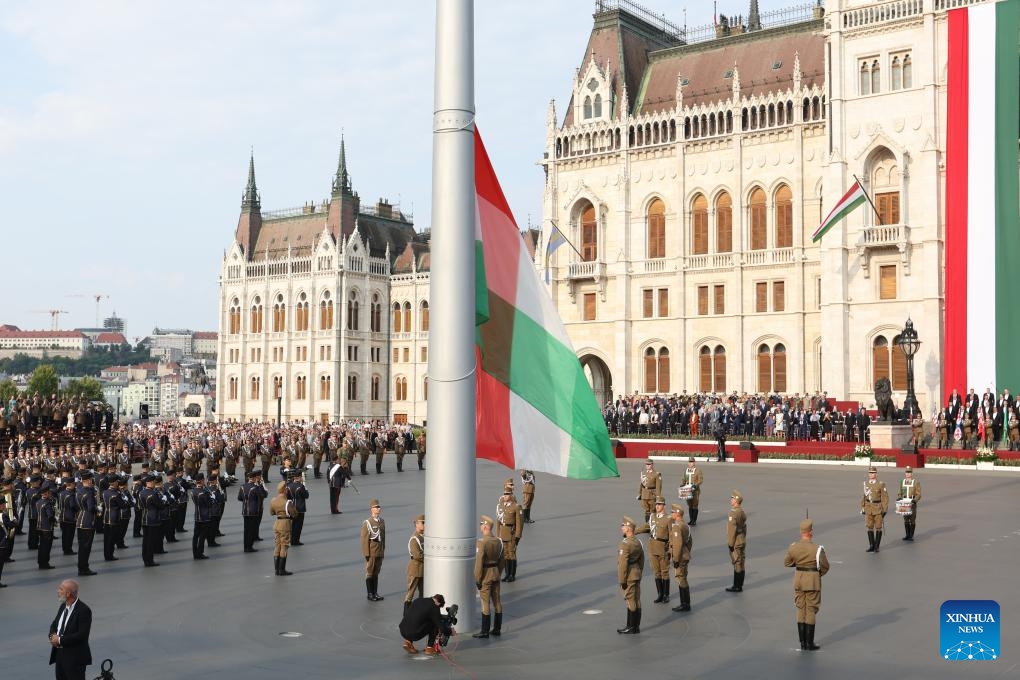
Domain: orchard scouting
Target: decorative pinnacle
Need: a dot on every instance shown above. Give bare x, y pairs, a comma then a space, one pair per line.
250, 200
342, 181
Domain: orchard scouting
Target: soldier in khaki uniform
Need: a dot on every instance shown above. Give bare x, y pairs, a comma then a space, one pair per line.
658, 530
874, 505
736, 540
284, 510
399, 450
680, 544
373, 547
510, 527
416, 565
488, 565
693, 476
630, 564
649, 488
910, 488
527, 495
916, 429
811, 564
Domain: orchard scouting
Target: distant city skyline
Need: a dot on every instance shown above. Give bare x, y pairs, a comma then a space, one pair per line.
125, 132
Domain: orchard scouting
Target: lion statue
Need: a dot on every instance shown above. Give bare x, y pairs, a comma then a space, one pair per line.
883, 399
192, 411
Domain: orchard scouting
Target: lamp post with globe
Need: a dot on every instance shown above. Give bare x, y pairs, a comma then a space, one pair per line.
910, 344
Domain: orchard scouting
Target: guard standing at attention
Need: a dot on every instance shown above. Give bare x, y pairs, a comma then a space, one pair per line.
86, 523
874, 505
508, 515
693, 478
284, 510
527, 495
416, 565
680, 544
203, 516
251, 494
45, 523
488, 565
373, 547
630, 564
297, 492
736, 540
649, 489
910, 489
811, 564
658, 541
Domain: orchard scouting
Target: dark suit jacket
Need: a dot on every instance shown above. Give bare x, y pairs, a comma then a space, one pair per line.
74, 643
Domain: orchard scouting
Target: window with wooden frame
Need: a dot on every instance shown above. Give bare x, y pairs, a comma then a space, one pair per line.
764, 369
233, 389
879, 359
651, 371
719, 369
589, 307
702, 300
353, 312
397, 318
647, 303
663, 377
656, 229
352, 387
724, 223
705, 369
423, 317
887, 282
589, 234
301, 388
375, 387
255, 383
761, 297
888, 205
699, 225
784, 217
757, 214
720, 299
898, 365
325, 387
407, 317
779, 368
663, 302
779, 296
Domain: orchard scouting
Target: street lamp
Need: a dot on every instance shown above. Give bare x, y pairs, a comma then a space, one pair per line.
909, 343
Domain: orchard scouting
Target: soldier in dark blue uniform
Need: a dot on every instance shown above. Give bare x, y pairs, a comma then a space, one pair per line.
30, 496
68, 502
168, 514
297, 492
112, 503
7, 529
218, 500
202, 499
46, 521
127, 502
88, 511
251, 494
149, 504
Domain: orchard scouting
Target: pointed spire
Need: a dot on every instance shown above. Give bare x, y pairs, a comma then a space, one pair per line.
754, 17
250, 200
342, 181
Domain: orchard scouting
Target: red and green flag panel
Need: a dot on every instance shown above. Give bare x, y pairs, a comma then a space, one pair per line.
982, 322
535, 408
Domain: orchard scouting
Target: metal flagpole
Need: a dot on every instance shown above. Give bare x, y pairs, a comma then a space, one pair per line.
870, 202
451, 525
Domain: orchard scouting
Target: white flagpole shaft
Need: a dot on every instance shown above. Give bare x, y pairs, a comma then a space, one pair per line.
451, 524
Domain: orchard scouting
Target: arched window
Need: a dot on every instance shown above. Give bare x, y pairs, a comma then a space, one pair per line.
705, 369
375, 323
407, 317
425, 388
589, 234
256, 316
724, 223
719, 369
597, 106
651, 371
232, 394
880, 359
896, 74
876, 70
325, 387
899, 366
779, 368
663, 370
353, 310
587, 108
325, 312
885, 186
764, 369
423, 318
301, 388
657, 229
279, 315
784, 217
865, 84
759, 238
908, 72
352, 387
234, 319
699, 225
400, 389
277, 387
397, 319
301, 319
375, 387
254, 387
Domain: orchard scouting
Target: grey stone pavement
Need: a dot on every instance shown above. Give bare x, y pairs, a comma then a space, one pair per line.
879, 618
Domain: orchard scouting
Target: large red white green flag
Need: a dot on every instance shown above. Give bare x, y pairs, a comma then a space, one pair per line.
535, 408
982, 325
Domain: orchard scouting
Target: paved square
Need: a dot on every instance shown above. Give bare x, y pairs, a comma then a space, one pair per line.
879, 618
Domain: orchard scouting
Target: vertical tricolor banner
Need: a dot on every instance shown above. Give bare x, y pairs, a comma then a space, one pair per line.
982, 322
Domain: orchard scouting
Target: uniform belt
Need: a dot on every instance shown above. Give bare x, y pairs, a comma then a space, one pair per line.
874, 501
284, 517
807, 568
486, 565
664, 540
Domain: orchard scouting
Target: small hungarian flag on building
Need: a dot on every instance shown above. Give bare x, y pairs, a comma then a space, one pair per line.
534, 407
854, 197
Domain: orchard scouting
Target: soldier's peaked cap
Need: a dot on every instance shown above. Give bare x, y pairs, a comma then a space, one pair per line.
627, 521
806, 525
487, 520
374, 503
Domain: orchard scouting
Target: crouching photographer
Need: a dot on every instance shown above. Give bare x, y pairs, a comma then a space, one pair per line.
424, 618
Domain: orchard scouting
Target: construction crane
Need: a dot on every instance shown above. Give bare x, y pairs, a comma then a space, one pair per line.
95, 296
54, 316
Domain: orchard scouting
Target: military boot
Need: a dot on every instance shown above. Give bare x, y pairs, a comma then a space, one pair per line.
694, 517
658, 590
871, 542
630, 624
802, 634
665, 590
878, 540
283, 567
497, 624
809, 637
484, 632
368, 587
276, 565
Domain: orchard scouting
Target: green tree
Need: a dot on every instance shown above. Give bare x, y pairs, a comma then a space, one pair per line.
88, 388
7, 390
44, 381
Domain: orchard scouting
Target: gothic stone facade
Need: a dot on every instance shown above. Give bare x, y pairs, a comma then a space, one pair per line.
690, 176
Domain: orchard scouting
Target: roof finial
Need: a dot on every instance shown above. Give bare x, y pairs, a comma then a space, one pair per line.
250, 199
342, 181
754, 17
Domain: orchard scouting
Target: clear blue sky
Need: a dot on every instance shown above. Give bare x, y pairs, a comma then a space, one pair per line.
125, 129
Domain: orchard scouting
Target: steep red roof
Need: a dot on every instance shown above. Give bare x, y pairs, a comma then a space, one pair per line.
205, 335
111, 339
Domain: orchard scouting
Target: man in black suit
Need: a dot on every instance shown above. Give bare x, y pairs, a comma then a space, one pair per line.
69, 634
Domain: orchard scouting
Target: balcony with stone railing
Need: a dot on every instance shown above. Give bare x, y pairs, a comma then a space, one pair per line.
768, 258
879, 235
586, 270
713, 261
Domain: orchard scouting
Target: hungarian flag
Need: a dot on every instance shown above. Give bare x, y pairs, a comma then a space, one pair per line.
535, 408
982, 198
854, 197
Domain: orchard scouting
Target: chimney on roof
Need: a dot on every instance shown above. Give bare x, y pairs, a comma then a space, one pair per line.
384, 208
